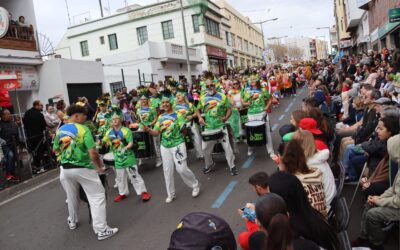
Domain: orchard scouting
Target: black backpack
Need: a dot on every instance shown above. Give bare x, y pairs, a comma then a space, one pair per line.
202, 231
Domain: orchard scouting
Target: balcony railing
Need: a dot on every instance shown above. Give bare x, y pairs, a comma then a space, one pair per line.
19, 38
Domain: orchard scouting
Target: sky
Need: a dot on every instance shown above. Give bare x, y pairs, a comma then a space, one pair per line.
295, 18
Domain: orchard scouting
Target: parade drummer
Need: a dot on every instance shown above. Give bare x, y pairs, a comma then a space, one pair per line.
173, 149
148, 116
258, 101
80, 165
120, 140
217, 110
188, 111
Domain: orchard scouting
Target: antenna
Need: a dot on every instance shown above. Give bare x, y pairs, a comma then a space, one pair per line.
69, 18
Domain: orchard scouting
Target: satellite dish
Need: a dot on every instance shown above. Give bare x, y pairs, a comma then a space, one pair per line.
45, 45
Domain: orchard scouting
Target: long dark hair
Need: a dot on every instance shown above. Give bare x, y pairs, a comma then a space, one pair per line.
305, 221
271, 212
294, 159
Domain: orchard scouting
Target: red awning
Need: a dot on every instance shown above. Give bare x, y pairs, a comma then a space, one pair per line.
9, 82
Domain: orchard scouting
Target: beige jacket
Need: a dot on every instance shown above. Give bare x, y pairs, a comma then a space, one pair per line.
391, 197
312, 183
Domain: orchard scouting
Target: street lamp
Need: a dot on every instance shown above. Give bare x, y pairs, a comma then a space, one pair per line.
262, 31
186, 47
330, 38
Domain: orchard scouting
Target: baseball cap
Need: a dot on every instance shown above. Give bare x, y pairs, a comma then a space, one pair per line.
202, 231
310, 124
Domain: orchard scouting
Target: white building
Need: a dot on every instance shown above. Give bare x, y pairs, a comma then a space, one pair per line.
27, 76
120, 38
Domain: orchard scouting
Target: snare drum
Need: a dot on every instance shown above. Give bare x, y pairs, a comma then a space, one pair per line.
212, 134
108, 159
255, 132
142, 147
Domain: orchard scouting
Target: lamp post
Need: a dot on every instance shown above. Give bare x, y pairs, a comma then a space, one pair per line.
262, 31
186, 47
330, 38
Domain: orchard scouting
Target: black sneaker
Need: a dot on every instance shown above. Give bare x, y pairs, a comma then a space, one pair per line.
207, 170
234, 171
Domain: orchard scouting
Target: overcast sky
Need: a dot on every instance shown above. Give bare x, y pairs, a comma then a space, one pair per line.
296, 18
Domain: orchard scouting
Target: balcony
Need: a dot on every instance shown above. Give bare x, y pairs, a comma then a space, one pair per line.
19, 38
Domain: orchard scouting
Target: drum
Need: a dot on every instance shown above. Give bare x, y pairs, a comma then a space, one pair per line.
188, 139
142, 144
243, 117
255, 132
212, 135
108, 159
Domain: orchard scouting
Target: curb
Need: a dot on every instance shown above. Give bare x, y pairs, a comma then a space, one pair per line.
10, 192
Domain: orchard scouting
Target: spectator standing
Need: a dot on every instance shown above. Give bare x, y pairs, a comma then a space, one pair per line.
9, 133
35, 126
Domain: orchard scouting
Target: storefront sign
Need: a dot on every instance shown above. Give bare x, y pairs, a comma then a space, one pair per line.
4, 22
216, 52
19, 77
394, 15
345, 43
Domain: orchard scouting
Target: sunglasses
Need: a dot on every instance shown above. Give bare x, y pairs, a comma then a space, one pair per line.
210, 86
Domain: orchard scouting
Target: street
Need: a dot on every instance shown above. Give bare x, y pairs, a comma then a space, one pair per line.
38, 219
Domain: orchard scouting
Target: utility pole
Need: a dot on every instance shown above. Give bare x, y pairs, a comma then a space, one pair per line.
186, 47
262, 31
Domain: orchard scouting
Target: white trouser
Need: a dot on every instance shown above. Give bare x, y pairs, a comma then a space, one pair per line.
176, 156
196, 140
156, 142
71, 179
260, 117
136, 179
208, 147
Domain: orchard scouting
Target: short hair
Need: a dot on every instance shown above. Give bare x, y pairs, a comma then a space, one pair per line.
35, 103
310, 101
259, 179
375, 94
76, 109
3, 111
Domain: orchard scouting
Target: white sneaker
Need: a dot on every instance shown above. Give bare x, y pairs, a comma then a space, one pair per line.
170, 199
249, 152
107, 233
139, 162
71, 224
196, 192
115, 185
159, 163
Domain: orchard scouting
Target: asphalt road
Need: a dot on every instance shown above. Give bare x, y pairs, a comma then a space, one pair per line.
37, 220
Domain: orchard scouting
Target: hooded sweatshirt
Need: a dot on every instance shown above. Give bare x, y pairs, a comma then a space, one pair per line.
319, 160
391, 197
312, 183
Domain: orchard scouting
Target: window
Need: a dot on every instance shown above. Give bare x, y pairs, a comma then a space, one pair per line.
101, 40
115, 87
246, 45
233, 40
341, 24
112, 41
240, 45
167, 29
84, 48
228, 38
142, 34
212, 27
196, 23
